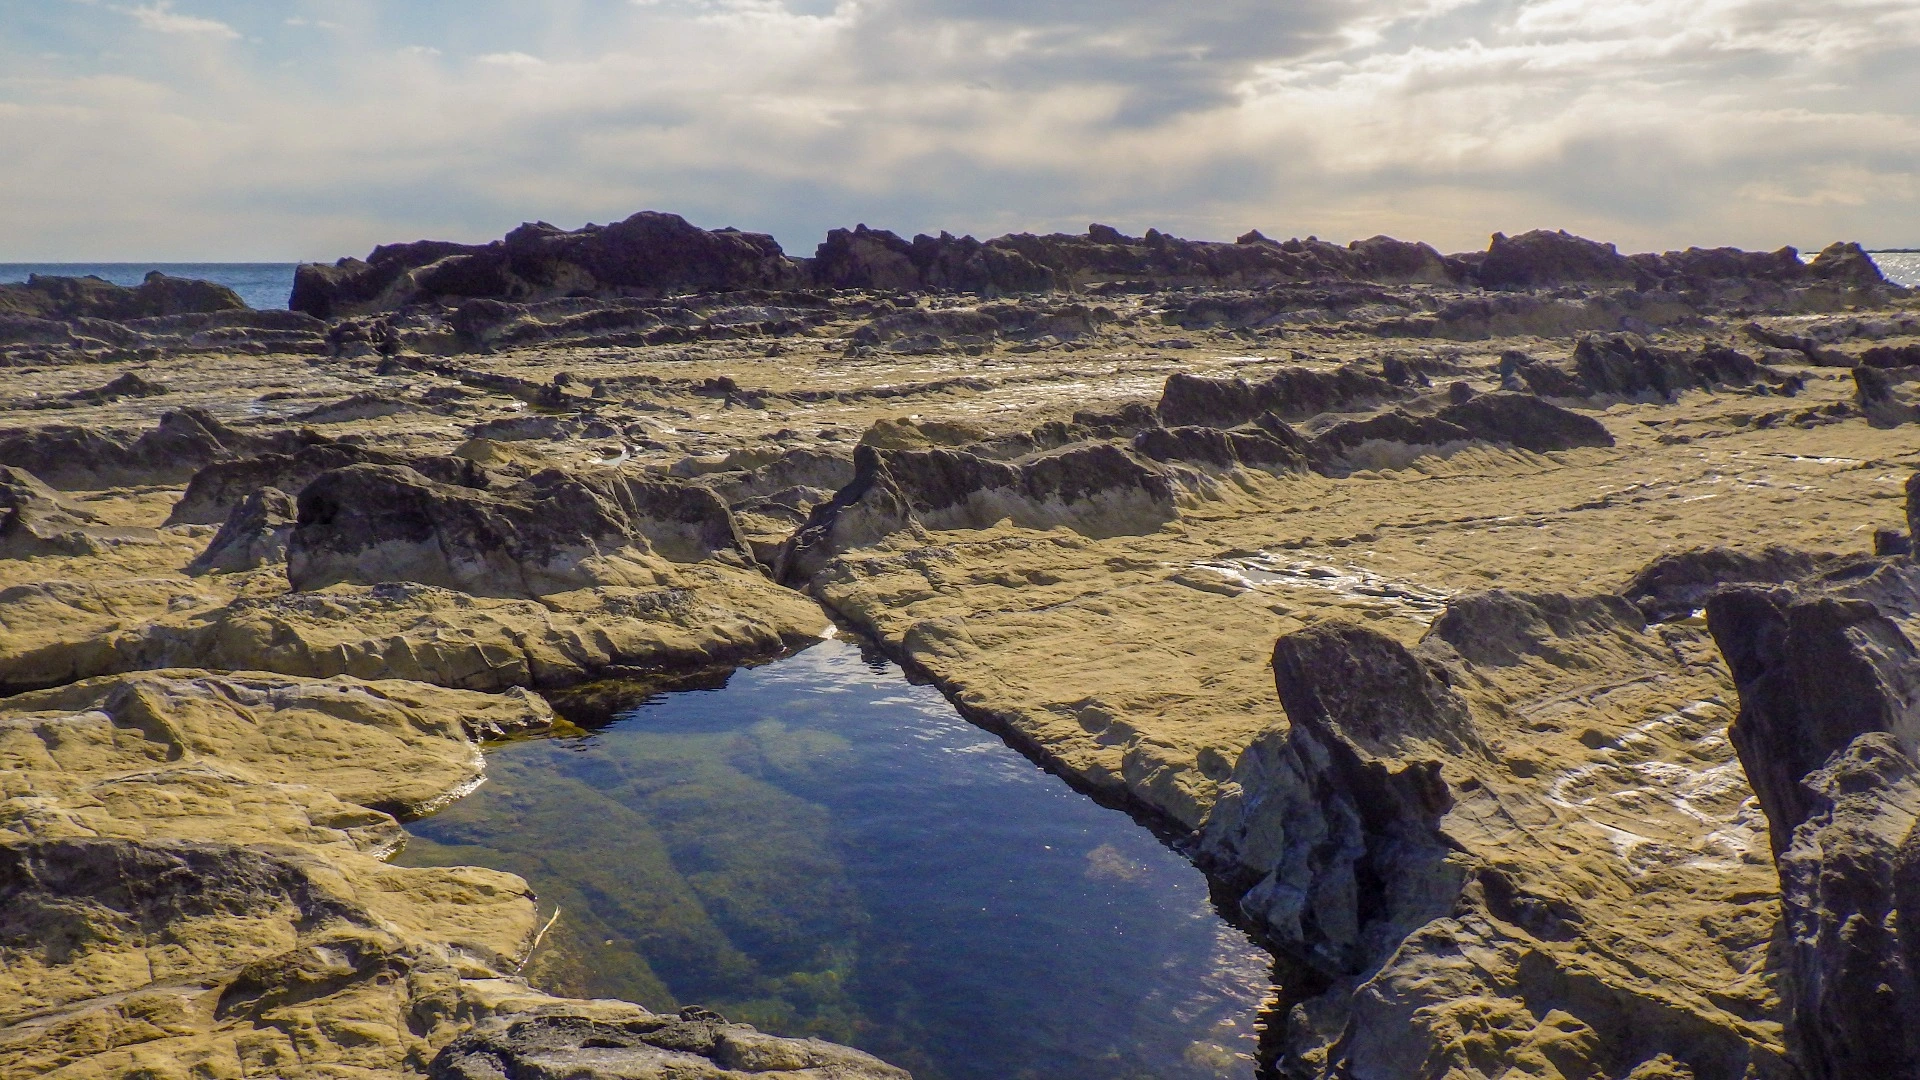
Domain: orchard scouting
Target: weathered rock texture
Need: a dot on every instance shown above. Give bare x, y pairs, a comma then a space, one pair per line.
52, 297
1828, 731
254, 534
190, 875
185, 441
553, 532
1403, 865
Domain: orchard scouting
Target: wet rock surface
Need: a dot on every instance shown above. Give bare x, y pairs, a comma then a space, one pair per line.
1081, 483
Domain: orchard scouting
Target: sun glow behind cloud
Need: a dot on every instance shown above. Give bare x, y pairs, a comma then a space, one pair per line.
296, 128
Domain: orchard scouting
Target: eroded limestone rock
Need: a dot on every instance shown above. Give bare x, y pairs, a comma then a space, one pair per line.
1828, 731
36, 520
1093, 488
553, 532
254, 534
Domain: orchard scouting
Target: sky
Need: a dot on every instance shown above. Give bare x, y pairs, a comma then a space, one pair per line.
312, 129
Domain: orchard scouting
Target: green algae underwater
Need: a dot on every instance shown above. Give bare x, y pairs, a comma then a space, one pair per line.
818, 848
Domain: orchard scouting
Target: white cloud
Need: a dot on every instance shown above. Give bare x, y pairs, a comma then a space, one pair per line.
1649, 122
511, 59
160, 16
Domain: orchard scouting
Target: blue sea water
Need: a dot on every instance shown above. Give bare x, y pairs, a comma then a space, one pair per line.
261, 285
820, 848
1900, 266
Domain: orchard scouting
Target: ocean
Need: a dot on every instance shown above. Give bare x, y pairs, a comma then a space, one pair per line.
269, 285
261, 285
1900, 266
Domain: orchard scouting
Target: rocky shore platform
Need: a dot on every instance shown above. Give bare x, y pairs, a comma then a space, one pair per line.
1522, 641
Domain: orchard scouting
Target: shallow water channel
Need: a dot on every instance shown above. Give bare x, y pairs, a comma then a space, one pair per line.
820, 848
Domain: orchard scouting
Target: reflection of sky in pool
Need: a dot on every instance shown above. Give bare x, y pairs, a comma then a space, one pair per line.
821, 849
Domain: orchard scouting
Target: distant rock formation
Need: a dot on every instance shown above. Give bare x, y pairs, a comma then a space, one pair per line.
52, 297
651, 255
647, 254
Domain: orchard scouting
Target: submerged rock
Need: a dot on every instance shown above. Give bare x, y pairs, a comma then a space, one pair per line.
695, 1045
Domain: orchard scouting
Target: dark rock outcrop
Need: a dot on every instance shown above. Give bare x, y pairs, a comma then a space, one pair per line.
186, 440
1625, 365
52, 297
1891, 356
1845, 263
126, 386
1679, 583
1815, 671
1501, 627
1525, 421
695, 1045
1342, 806
35, 521
254, 535
653, 255
1386, 440
648, 254
1873, 392
216, 489
1271, 447
1541, 258
552, 532
1502, 419
1828, 731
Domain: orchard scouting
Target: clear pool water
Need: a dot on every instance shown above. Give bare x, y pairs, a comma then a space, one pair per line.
820, 848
